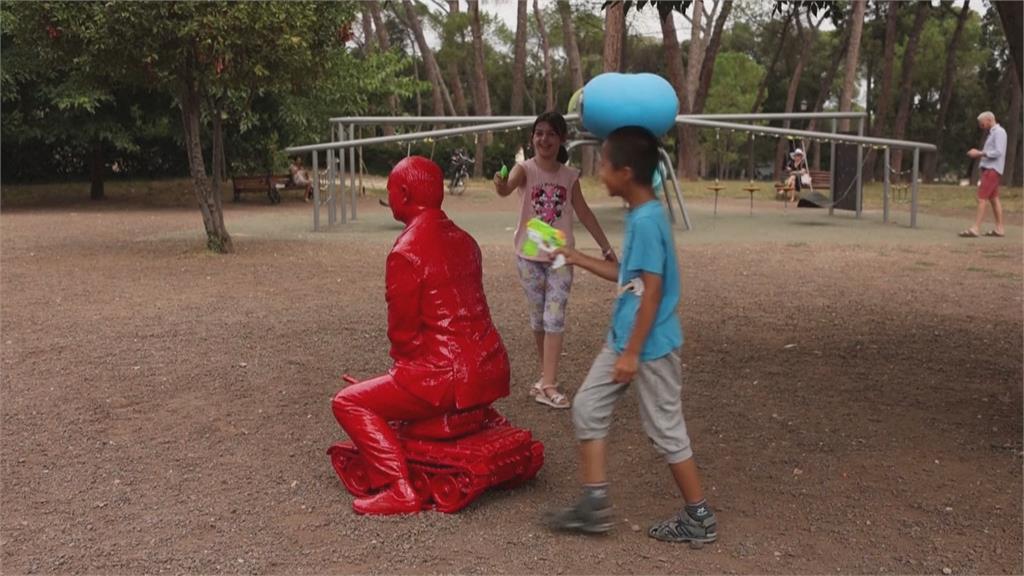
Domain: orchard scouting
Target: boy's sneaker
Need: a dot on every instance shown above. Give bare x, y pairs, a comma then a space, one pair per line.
685, 528
589, 515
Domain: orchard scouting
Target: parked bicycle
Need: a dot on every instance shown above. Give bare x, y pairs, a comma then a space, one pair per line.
459, 166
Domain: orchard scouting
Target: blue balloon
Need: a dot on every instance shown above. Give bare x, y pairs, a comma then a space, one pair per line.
613, 100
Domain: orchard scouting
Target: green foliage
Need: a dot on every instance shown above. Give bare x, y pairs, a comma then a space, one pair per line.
664, 8
733, 89
57, 99
77, 73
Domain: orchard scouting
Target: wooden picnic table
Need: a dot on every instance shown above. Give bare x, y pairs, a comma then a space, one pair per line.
750, 189
716, 188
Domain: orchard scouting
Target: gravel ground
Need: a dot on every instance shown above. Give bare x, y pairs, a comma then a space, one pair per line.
853, 391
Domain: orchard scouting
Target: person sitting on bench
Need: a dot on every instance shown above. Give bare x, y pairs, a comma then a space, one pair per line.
448, 355
299, 176
799, 177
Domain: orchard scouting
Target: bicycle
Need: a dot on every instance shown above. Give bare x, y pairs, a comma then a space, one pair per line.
460, 164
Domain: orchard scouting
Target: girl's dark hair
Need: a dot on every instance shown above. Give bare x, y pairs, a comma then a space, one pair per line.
558, 124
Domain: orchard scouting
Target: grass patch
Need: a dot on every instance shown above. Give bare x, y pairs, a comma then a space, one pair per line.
169, 192
178, 192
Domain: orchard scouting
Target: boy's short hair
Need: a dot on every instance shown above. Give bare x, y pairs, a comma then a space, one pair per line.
635, 148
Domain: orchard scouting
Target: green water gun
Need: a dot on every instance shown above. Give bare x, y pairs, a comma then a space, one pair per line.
504, 172
543, 236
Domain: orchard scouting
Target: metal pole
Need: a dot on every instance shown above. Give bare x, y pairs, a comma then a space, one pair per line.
331, 208
832, 166
763, 130
447, 120
913, 189
341, 175
352, 165
410, 136
316, 192
860, 164
885, 186
678, 192
806, 134
331, 203
664, 193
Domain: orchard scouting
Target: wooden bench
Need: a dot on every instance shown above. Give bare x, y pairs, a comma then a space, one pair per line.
269, 184
821, 181
284, 182
260, 184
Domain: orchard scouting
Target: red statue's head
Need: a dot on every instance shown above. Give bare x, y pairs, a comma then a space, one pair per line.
414, 185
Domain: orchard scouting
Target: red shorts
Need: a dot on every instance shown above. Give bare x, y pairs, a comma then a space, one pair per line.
988, 187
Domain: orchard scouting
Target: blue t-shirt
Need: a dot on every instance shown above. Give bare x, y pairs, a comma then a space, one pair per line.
648, 247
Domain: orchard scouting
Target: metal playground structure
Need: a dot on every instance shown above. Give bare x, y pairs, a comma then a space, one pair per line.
340, 152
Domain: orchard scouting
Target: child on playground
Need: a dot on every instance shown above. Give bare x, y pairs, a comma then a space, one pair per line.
300, 177
550, 191
642, 349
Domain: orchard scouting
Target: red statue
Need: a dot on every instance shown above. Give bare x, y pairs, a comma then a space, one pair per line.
423, 435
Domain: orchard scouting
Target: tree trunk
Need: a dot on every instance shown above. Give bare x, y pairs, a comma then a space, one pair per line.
416, 77
762, 89
677, 76
695, 58
1011, 15
378, 25
807, 40
906, 81
217, 237
614, 24
707, 70
549, 88
429, 62
519, 60
385, 44
1012, 129
454, 77
881, 119
945, 94
852, 61
825, 86
481, 92
458, 94
96, 172
572, 50
572, 53
825, 89
218, 148
367, 31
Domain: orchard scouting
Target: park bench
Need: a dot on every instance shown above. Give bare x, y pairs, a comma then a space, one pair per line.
270, 184
284, 182
821, 182
260, 184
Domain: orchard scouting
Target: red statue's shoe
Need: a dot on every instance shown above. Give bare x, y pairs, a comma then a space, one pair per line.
399, 498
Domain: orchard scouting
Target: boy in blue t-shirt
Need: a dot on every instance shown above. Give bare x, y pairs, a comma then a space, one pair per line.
642, 348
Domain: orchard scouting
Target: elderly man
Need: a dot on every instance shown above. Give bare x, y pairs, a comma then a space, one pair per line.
993, 159
448, 355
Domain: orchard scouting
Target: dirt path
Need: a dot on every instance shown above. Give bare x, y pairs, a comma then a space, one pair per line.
853, 391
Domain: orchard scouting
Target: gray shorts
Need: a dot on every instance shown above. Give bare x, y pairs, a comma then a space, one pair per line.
659, 387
